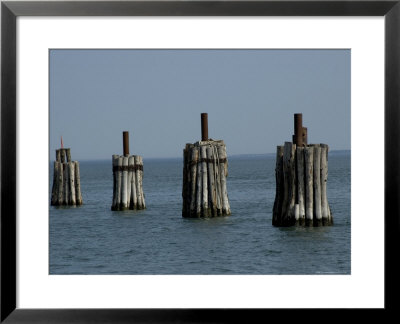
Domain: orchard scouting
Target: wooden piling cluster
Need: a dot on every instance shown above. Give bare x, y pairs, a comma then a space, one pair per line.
127, 179
66, 180
301, 184
205, 169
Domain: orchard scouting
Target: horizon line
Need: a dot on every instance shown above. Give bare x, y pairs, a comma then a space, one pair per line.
180, 157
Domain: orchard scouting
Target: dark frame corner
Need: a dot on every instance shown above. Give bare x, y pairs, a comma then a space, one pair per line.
10, 10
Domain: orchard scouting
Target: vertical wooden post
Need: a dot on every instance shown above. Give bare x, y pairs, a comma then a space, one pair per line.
139, 191
62, 155
128, 184
185, 180
54, 193
305, 136
58, 156
71, 173
324, 179
289, 184
300, 183
132, 183
204, 127
124, 184
193, 176
68, 152
125, 140
60, 184
296, 213
141, 184
205, 210
66, 183
78, 192
115, 180
279, 193
222, 173
218, 180
309, 188
119, 182
212, 196
317, 186
199, 183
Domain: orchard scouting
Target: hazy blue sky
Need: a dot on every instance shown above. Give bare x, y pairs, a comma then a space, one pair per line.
158, 95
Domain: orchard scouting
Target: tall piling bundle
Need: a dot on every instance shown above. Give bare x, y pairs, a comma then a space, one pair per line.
301, 175
205, 169
66, 180
127, 179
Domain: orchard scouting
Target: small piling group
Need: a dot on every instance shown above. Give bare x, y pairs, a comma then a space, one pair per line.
66, 180
127, 179
301, 182
205, 169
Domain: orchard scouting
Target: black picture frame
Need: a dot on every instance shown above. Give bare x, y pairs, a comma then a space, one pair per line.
10, 10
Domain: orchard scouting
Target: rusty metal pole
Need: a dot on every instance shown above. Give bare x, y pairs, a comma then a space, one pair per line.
298, 129
125, 139
204, 127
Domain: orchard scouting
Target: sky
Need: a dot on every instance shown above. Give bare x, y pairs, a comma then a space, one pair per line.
158, 95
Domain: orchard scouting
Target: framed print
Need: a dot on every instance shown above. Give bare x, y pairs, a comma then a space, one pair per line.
63, 263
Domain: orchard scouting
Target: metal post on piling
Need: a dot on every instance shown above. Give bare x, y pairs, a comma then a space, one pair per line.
127, 179
204, 127
125, 139
205, 168
298, 129
301, 181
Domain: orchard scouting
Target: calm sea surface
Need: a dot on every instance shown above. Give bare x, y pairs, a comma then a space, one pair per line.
92, 239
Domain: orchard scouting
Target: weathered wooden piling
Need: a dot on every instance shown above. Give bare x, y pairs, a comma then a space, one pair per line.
279, 192
66, 180
78, 184
325, 209
127, 179
205, 168
301, 186
309, 189
317, 186
301, 175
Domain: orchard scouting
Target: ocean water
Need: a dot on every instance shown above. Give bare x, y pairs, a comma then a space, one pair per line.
92, 239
